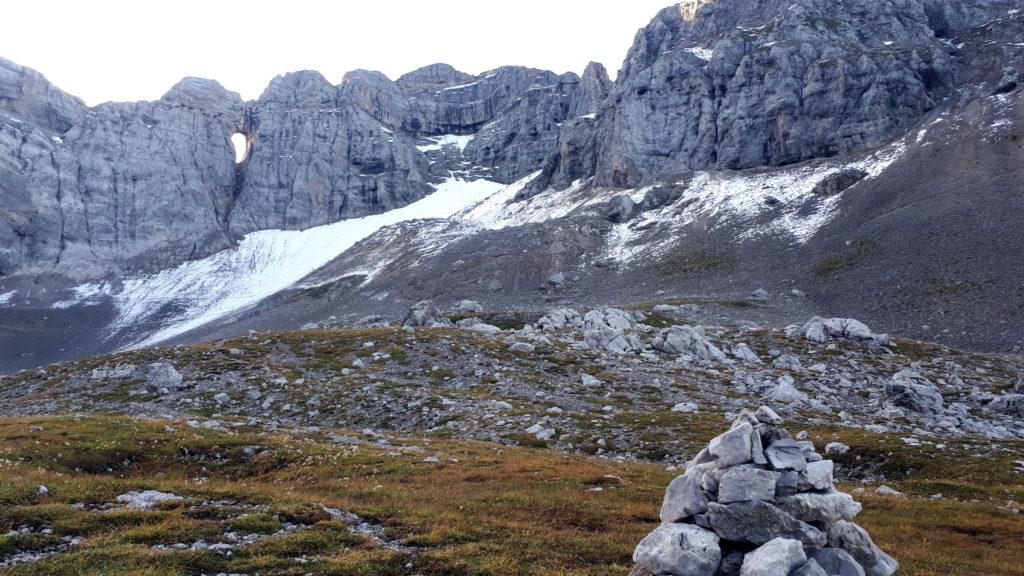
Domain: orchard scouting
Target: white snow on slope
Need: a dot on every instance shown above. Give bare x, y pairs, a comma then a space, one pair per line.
496, 212
725, 197
702, 53
7, 296
263, 264
717, 197
447, 140
86, 294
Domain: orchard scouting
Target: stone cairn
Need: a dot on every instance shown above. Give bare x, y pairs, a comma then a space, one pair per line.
756, 502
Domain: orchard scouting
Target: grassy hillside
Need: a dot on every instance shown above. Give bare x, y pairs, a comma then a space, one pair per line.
479, 509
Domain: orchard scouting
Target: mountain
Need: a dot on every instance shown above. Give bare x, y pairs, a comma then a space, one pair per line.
858, 158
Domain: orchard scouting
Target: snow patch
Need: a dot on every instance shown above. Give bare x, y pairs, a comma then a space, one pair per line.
734, 197
499, 211
6, 297
180, 299
704, 54
440, 142
85, 295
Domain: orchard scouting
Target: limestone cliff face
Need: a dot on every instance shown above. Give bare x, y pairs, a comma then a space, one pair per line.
316, 158
740, 84
145, 185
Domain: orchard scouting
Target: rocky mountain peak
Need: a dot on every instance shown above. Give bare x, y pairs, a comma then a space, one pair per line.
30, 95
431, 78
592, 90
305, 87
203, 94
688, 8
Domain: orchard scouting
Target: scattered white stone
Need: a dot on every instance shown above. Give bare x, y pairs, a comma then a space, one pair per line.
146, 499
836, 448
884, 490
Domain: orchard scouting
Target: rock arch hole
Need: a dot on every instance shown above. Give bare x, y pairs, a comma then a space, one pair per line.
241, 145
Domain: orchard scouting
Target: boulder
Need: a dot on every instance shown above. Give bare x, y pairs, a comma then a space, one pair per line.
605, 318
467, 307
744, 353
855, 540
759, 522
836, 562
732, 447
683, 499
910, 390
817, 475
819, 329
785, 392
161, 375
561, 319
687, 340
786, 454
679, 550
484, 328
610, 339
775, 558
824, 507
522, 347
425, 314
745, 484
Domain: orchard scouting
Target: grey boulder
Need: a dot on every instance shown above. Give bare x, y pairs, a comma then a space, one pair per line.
836, 562
745, 484
910, 390
856, 541
732, 447
687, 340
679, 550
758, 522
826, 507
786, 454
775, 558
683, 499
425, 314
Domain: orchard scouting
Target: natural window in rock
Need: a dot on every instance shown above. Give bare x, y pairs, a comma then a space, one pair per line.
241, 144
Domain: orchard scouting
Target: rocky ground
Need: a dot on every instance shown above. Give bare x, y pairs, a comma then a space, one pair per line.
605, 380
629, 389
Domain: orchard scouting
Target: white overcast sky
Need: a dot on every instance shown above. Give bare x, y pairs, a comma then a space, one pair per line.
104, 50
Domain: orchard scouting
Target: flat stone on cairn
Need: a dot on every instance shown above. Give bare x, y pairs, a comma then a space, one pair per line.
755, 502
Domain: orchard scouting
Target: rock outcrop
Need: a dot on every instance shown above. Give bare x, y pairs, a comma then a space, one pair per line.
733, 85
819, 329
757, 503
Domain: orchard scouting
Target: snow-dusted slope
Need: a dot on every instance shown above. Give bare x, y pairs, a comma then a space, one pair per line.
173, 301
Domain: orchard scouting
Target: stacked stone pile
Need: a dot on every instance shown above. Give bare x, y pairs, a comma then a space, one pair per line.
756, 502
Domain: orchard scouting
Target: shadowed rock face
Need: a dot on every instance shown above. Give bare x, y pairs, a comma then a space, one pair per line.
733, 85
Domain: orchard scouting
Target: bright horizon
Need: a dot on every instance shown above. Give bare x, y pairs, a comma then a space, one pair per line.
112, 50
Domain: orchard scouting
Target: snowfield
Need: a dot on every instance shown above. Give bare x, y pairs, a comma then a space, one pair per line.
177, 300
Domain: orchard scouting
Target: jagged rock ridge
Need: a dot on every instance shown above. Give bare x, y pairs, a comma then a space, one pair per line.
146, 185
734, 85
